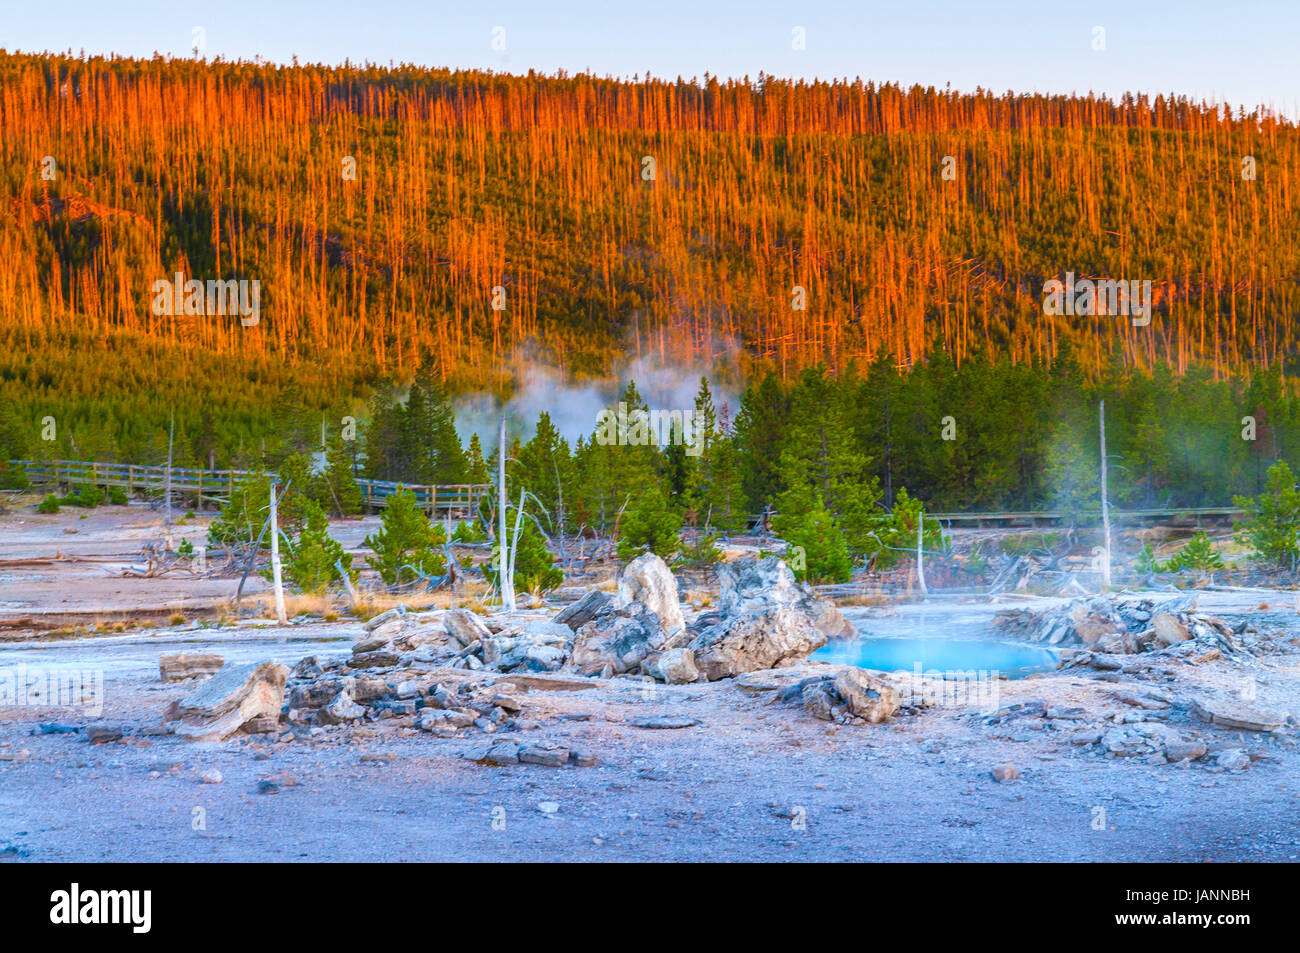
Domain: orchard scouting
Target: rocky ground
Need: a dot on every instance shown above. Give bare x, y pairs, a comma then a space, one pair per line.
585, 735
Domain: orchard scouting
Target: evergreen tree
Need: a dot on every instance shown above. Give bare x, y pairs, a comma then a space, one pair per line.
895, 532
649, 523
1272, 519
310, 561
339, 480
818, 552
406, 538
760, 435
545, 468
819, 459
242, 517
476, 467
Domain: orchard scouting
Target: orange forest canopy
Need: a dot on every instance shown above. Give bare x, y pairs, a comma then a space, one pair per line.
391, 216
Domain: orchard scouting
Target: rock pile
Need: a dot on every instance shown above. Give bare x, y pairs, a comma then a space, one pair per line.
849, 697
1146, 732
1102, 626
766, 619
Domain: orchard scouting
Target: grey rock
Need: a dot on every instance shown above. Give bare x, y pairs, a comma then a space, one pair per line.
648, 580
341, 709
664, 722
178, 668
552, 756
754, 641
592, 605
232, 697
620, 641
674, 666
1005, 772
465, 627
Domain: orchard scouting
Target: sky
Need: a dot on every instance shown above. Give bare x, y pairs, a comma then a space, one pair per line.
1240, 53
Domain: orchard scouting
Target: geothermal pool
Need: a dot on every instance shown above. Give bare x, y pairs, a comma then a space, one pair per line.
937, 638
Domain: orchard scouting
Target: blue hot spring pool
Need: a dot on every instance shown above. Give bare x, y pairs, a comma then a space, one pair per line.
937, 639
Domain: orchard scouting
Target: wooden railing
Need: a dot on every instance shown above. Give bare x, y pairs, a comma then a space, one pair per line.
460, 499
217, 485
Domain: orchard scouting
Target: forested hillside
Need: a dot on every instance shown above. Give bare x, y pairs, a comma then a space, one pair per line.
385, 212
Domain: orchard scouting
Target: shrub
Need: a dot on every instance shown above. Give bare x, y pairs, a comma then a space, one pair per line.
87, 497
895, 533
652, 525
1146, 560
50, 504
469, 531
242, 517
406, 538
818, 552
1199, 553
117, 496
699, 550
13, 478
1272, 519
310, 563
535, 569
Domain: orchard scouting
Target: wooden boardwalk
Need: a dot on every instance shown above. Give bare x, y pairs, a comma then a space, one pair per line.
215, 486
460, 500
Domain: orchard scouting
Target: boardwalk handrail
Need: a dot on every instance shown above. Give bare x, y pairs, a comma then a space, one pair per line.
463, 496
219, 484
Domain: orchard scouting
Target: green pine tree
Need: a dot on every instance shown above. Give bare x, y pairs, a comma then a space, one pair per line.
649, 523
817, 550
406, 538
310, 561
1272, 519
820, 459
760, 435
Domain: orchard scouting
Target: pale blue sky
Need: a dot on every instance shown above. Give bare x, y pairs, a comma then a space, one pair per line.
1238, 52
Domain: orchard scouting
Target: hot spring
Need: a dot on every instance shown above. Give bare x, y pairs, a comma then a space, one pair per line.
937, 638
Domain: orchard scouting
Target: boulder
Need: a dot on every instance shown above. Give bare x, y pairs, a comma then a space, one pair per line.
465, 626
1184, 750
319, 693
620, 640
674, 666
648, 580
234, 696
549, 755
342, 709
850, 696
592, 605
499, 754
1236, 716
753, 585
532, 646
866, 696
755, 640
1234, 759
1005, 772
1169, 629
178, 668
308, 669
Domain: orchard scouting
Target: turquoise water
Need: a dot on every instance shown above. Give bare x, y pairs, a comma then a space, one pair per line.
937, 641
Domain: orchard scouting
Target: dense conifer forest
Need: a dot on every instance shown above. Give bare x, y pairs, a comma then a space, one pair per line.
868, 259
